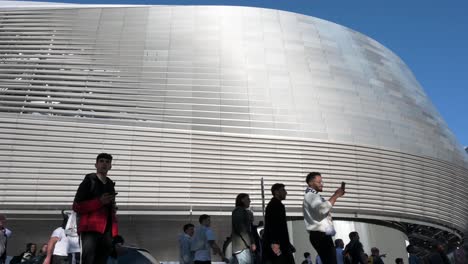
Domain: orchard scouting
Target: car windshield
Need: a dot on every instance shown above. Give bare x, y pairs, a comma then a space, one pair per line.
133, 256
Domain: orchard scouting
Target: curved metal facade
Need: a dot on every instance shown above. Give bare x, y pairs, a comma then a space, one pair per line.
198, 103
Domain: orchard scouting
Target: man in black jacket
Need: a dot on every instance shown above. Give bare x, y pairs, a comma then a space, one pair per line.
354, 252
277, 248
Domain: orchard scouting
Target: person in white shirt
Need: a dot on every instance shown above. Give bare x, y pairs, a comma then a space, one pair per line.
318, 219
58, 246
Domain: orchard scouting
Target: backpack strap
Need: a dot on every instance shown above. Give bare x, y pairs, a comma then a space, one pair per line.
245, 242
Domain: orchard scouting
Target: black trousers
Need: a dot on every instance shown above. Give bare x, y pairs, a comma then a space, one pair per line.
95, 247
76, 256
202, 262
324, 246
59, 259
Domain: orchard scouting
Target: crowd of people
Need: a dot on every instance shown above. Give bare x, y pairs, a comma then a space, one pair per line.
97, 227
272, 246
30, 255
62, 247
352, 253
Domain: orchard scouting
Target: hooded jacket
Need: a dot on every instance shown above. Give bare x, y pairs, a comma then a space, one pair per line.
92, 214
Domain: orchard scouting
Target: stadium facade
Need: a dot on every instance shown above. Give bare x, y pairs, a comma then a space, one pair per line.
198, 103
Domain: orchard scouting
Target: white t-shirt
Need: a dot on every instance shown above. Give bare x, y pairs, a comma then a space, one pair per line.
205, 254
61, 247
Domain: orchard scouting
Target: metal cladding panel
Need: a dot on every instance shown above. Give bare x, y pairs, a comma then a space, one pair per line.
198, 103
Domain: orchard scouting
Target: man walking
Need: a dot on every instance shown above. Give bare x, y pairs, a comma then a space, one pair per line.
243, 243
95, 205
185, 254
317, 217
339, 246
277, 248
354, 252
204, 240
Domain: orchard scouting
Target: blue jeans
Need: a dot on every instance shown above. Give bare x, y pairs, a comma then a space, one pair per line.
244, 257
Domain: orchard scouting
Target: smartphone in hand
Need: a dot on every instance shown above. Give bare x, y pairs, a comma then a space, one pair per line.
343, 185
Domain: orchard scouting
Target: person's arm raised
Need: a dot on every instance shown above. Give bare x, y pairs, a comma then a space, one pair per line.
338, 193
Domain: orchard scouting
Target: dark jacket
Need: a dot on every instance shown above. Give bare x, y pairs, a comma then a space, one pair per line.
354, 250
377, 260
93, 215
3, 245
276, 229
242, 236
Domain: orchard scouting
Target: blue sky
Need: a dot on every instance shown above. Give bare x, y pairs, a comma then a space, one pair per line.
430, 36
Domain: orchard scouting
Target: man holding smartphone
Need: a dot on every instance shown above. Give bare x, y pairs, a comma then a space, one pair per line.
95, 206
318, 219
